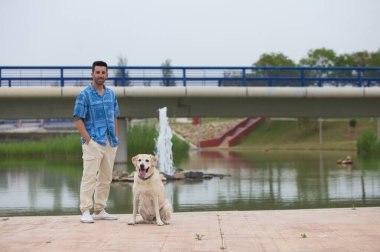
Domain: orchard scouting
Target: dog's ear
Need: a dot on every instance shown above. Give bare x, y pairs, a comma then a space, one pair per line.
134, 160
154, 160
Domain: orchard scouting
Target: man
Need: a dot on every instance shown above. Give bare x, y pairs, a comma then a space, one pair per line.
95, 114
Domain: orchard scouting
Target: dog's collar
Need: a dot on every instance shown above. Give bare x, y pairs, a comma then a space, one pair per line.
146, 178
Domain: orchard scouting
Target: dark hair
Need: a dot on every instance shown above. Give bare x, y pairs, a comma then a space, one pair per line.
99, 63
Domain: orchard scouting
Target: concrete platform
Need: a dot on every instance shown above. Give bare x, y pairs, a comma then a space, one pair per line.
283, 230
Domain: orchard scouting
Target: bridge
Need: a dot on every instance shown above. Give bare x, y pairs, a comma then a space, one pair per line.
32, 92
50, 92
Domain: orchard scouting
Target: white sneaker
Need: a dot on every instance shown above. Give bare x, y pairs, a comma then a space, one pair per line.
86, 217
103, 215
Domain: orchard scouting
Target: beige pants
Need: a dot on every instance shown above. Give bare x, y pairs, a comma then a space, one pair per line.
98, 164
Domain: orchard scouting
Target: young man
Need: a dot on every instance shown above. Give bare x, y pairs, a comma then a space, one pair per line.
95, 114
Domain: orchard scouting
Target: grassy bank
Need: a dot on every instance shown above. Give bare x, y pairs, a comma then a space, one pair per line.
304, 134
272, 134
140, 139
65, 147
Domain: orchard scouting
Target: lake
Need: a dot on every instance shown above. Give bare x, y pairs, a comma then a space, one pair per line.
256, 181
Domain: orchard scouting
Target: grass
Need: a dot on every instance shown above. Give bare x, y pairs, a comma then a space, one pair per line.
67, 147
272, 134
140, 139
304, 134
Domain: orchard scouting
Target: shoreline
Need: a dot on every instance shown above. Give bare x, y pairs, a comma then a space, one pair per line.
268, 149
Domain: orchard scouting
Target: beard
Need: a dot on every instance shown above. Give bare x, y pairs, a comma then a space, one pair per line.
100, 81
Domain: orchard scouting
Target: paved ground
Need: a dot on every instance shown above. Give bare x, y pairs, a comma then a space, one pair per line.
286, 230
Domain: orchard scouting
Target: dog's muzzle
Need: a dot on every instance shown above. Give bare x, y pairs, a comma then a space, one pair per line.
143, 171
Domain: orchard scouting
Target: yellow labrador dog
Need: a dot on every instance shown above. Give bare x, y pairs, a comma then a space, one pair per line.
149, 198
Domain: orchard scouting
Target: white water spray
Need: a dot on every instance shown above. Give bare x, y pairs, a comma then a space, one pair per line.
164, 144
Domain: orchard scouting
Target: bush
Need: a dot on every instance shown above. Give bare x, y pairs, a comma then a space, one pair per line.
367, 144
142, 139
180, 150
352, 123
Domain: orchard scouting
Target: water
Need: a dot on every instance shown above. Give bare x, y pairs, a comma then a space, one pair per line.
164, 144
257, 181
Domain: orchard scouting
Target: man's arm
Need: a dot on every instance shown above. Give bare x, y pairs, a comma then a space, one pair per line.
116, 127
82, 129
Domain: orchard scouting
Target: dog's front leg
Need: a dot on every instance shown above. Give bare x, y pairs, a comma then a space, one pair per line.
157, 210
135, 206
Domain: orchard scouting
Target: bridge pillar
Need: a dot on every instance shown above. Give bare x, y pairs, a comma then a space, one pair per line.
121, 154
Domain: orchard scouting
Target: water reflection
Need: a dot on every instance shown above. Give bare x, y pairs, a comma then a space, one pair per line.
258, 180
278, 180
37, 187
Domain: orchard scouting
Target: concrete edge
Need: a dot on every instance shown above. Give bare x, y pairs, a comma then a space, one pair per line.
216, 92
335, 92
155, 91
276, 92
32, 92
180, 92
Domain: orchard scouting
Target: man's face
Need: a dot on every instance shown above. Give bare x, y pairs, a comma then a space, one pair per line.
99, 75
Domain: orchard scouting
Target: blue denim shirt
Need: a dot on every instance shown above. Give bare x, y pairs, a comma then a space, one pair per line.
98, 114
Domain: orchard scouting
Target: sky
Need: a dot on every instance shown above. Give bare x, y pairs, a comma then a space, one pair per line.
189, 33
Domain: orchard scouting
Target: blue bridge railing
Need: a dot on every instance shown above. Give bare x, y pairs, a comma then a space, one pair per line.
12, 76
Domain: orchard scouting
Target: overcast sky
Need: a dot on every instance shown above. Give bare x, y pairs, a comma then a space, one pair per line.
189, 33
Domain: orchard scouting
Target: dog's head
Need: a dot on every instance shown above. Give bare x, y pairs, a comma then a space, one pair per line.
145, 164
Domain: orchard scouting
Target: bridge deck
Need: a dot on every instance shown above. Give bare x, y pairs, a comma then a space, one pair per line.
144, 102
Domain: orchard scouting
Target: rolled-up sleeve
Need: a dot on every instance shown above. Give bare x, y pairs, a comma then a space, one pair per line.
80, 108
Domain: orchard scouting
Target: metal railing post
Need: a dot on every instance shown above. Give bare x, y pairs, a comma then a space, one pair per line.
302, 77
123, 81
359, 77
184, 76
62, 80
244, 78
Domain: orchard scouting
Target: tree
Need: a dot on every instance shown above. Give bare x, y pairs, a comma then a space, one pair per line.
361, 59
374, 59
276, 60
120, 73
167, 74
364, 59
321, 57
374, 62
345, 60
